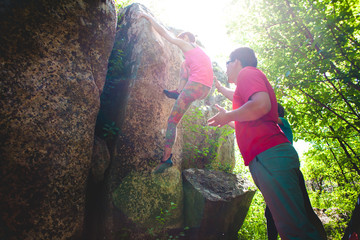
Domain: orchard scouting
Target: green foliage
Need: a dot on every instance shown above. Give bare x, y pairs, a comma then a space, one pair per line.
119, 4
207, 140
310, 52
160, 232
219, 166
335, 230
254, 226
115, 66
339, 210
165, 214
115, 69
111, 130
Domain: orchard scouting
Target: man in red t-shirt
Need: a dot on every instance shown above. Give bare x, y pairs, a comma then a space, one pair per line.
272, 160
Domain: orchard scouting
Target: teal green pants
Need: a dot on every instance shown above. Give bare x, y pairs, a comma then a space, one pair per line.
276, 174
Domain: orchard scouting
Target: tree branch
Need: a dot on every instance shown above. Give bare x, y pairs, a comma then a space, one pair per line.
331, 110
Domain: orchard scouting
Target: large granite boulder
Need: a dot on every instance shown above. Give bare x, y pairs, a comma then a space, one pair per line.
215, 203
151, 204
141, 66
53, 63
132, 121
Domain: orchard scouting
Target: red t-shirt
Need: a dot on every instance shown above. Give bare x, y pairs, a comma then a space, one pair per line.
255, 137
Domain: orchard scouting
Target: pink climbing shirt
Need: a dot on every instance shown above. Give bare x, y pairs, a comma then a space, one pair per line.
200, 66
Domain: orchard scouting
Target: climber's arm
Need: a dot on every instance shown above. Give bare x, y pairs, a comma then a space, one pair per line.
183, 45
227, 92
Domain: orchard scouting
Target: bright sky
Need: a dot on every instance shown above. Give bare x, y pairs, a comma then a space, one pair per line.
204, 18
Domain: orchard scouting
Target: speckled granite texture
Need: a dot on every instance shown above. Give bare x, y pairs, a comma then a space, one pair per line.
53, 63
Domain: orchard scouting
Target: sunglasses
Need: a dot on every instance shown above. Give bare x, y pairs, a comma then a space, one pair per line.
229, 61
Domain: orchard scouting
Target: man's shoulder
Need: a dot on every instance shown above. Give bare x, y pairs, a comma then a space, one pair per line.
251, 71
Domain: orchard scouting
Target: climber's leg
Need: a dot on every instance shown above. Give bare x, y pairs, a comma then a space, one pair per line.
190, 93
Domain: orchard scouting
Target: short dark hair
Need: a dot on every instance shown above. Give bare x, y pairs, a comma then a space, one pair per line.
281, 110
245, 55
190, 36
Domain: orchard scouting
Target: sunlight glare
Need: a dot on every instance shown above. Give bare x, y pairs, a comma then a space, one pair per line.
204, 18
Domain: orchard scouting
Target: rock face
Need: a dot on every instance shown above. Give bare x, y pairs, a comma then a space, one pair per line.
142, 65
133, 120
53, 62
62, 175
100, 160
215, 203
149, 203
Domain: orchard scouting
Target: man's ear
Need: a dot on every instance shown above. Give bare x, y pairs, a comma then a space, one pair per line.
238, 63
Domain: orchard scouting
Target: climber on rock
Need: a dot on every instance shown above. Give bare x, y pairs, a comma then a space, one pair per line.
198, 85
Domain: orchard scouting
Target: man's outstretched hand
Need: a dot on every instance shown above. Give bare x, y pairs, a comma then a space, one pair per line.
220, 119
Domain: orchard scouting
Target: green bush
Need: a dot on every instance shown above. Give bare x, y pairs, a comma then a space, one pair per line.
202, 142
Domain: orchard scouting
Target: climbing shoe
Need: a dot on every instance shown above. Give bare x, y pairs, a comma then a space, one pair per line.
172, 94
163, 165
